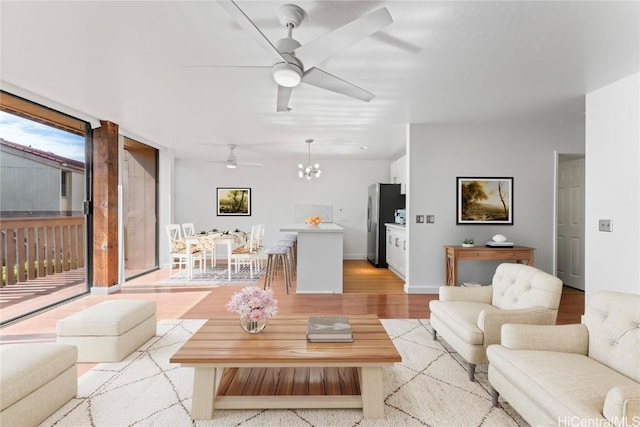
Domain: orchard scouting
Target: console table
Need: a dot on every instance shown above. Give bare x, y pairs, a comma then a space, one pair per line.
452, 254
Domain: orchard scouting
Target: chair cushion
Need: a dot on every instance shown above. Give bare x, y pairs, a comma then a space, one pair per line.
108, 318
523, 286
461, 317
613, 320
565, 384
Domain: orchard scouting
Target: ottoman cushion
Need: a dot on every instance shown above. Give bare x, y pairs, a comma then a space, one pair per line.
26, 367
108, 318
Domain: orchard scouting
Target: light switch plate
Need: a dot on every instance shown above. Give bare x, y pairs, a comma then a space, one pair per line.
431, 219
605, 225
419, 219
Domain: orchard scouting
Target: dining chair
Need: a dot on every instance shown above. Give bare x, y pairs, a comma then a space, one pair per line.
246, 255
179, 255
188, 229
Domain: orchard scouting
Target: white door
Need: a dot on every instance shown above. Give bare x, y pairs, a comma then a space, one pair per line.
570, 230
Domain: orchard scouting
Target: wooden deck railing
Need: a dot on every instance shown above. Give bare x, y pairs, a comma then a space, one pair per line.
37, 247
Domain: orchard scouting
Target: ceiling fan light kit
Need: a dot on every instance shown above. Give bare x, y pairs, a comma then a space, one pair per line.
309, 170
232, 161
296, 63
286, 74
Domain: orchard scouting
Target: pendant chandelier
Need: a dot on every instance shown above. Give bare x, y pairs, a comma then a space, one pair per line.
309, 170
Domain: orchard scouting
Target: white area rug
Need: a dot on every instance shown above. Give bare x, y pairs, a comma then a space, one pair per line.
429, 388
214, 276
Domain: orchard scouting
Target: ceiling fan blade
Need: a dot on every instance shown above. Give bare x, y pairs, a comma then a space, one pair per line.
250, 164
284, 94
227, 66
324, 80
246, 23
326, 46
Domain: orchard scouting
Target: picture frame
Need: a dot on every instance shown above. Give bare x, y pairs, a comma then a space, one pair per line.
484, 200
234, 201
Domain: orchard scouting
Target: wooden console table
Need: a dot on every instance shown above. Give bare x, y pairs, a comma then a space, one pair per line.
452, 254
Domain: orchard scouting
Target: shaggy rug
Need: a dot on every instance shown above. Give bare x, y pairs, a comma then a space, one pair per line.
429, 388
214, 276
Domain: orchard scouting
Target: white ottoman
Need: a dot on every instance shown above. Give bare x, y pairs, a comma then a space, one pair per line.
109, 331
35, 381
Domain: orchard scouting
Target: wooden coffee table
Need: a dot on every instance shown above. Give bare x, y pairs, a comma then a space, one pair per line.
278, 368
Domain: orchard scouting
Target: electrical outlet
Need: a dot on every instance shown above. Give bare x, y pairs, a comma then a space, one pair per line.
605, 225
431, 219
419, 219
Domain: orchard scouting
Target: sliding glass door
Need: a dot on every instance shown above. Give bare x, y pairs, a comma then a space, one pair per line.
140, 207
43, 188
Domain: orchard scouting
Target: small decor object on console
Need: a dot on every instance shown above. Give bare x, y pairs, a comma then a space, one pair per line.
314, 220
255, 307
467, 243
499, 241
329, 329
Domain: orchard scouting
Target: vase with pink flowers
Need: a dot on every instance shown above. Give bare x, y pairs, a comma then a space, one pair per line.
255, 306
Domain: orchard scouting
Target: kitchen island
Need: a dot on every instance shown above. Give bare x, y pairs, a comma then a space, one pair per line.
319, 258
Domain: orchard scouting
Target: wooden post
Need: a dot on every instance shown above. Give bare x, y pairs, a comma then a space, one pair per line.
105, 205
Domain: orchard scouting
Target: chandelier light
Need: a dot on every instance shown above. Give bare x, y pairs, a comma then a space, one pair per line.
309, 170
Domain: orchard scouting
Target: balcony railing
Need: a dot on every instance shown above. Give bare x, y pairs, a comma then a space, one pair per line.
37, 247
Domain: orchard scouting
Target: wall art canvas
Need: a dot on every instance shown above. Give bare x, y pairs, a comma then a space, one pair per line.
234, 201
484, 200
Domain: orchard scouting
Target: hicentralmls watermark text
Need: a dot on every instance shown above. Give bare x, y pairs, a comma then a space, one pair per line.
597, 422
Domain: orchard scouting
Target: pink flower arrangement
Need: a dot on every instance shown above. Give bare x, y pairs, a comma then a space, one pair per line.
254, 303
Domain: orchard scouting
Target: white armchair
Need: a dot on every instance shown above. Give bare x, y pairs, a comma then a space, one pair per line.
469, 319
583, 374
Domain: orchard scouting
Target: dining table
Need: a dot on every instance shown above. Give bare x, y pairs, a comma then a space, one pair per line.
201, 242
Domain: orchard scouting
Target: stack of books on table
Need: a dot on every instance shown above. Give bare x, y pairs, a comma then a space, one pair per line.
329, 329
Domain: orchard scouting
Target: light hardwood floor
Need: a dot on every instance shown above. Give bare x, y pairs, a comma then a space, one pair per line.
367, 290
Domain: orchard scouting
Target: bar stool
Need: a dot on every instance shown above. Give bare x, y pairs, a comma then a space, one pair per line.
277, 257
291, 253
293, 238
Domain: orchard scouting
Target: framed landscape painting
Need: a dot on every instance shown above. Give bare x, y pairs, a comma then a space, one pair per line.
234, 201
484, 200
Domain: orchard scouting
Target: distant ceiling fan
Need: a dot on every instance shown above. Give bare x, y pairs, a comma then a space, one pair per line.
232, 161
295, 63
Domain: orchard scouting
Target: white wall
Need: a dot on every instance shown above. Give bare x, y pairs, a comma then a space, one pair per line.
613, 188
440, 153
275, 190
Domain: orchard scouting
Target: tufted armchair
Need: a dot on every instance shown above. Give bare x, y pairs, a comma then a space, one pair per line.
583, 374
469, 319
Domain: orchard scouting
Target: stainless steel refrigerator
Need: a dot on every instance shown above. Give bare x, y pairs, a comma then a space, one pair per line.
382, 203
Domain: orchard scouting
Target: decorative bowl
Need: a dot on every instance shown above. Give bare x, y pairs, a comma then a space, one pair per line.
313, 220
499, 238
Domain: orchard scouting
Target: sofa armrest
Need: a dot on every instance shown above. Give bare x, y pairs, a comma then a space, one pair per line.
471, 294
490, 322
622, 405
561, 338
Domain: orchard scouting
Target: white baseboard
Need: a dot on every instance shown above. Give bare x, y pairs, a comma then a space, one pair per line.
421, 289
104, 290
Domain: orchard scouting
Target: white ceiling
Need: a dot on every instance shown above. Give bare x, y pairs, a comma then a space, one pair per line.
438, 62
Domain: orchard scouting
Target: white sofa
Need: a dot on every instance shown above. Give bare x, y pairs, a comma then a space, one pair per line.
587, 374
469, 319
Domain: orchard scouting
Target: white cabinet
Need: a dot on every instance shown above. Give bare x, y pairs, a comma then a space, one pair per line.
397, 249
398, 173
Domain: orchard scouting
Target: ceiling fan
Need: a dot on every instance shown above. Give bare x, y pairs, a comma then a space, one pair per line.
295, 63
232, 161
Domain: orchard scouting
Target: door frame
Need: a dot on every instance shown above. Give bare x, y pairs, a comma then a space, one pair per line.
555, 208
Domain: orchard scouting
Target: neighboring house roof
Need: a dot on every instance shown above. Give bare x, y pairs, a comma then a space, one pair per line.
40, 156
